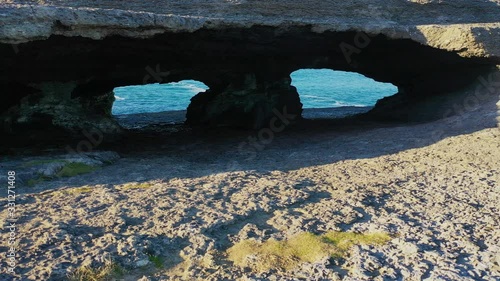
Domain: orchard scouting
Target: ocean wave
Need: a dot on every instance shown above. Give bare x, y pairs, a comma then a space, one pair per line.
340, 104
195, 89
192, 86
119, 98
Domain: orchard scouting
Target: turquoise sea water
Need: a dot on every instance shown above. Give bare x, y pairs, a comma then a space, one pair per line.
321, 88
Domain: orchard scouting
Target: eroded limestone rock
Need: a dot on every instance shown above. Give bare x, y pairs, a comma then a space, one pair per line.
249, 104
244, 51
54, 107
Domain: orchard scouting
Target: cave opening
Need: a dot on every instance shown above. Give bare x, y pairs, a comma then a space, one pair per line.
327, 93
249, 73
154, 103
324, 93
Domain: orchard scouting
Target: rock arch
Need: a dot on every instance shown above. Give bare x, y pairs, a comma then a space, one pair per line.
66, 62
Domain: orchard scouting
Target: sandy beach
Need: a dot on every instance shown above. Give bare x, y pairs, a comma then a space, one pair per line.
250, 178
432, 187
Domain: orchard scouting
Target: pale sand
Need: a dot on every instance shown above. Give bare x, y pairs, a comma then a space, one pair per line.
435, 187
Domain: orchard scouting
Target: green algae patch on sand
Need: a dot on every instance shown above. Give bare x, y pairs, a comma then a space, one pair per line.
68, 170
143, 185
75, 169
42, 162
74, 191
343, 241
33, 182
304, 247
109, 271
157, 261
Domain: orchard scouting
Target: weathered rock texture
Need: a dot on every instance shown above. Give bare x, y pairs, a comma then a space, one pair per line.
69, 55
433, 187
